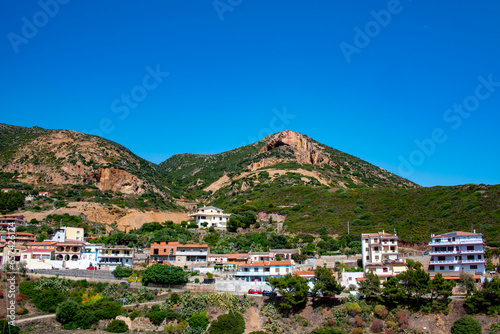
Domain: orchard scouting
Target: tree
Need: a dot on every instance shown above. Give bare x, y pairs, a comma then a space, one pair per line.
440, 290
231, 323
293, 288
370, 287
233, 223
466, 283
486, 300
163, 274
393, 293
415, 281
299, 257
66, 311
325, 282
466, 325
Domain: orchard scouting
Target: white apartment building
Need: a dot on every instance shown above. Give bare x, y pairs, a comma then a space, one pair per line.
457, 251
108, 258
211, 217
258, 271
381, 255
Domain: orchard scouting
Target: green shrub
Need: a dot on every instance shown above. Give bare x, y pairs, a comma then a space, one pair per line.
134, 315
156, 317
231, 323
466, 325
28, 288
353, 308
66, 311
199, 321
380, 311
117, 326
5, 328
174, 298
47, 300
105, 309
122, 271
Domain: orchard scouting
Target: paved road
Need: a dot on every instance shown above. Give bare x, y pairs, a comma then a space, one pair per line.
103, 274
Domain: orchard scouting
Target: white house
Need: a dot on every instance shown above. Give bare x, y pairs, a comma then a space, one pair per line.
259, 271
381, 255
457, 252
108, 258
210, 216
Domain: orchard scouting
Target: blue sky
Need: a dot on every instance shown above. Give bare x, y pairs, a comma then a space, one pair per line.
410, 86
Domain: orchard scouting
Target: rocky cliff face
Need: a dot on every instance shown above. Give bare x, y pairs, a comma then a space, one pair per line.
118, 180
61, 157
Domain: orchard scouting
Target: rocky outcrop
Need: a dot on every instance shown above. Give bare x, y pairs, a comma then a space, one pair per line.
118, 180
305, 151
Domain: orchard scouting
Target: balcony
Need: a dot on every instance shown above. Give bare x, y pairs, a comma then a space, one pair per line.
472, 261
254, 273
193, 253
446, 262
456, 242
115, 256
472, 251
443, 252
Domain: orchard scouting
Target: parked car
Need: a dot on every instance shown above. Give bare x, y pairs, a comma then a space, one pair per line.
254, 292
125, 283
269, 293
426, 253
92, 268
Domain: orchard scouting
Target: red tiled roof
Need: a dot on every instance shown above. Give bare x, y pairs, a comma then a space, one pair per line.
264, 264
37, 250
19, 233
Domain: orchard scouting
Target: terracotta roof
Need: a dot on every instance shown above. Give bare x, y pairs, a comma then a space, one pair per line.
18, 233
41, 243
361, 279
37, 250
177, 244
304, 273
235, 256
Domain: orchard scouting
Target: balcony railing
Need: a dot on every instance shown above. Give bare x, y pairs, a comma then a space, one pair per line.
444, 252
457, 242
472, 261
473, 251
115, 255
446, 262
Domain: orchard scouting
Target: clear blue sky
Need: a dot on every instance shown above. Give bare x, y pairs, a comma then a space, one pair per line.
369, 78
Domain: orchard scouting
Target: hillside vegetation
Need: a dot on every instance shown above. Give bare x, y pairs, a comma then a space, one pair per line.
413, 213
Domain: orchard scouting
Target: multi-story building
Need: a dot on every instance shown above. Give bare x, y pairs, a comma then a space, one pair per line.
178, 254
228, 259
457, 252
68, 251
12, 221
380, 254
108, 258
210, 216
69, 234
17, 237
259, 271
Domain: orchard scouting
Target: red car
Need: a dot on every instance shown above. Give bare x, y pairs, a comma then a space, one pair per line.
254, 291
92, 268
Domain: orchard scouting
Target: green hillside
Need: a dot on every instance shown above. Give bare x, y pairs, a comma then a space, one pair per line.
413, 213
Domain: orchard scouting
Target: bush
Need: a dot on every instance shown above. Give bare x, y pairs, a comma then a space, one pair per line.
117, 326
466, 325
47, 300
156, 317
174, 298
357, 331
353, 308
134, 315
359, 321
401, 318
199, 321
231, 323
5, 328
104, 309
377, 326
380, 311
122, 271
28, 288
197, 280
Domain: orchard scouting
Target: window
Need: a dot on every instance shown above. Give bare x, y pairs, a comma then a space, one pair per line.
479, 257
256, 269
441, 258
441, 267
367, 258
376, 258
450, 249
470, 257
266, 270
450, 267
287, 269
171, 251
277, 270
375, 249
473, 266
155, 251
367, 249
469, 248
385, 270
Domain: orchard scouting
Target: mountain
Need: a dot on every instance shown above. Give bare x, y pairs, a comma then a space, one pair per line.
286, 158
62, 157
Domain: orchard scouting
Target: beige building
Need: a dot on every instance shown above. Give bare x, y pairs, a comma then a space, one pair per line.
210, 216
178, 254
108, 258
381, 254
